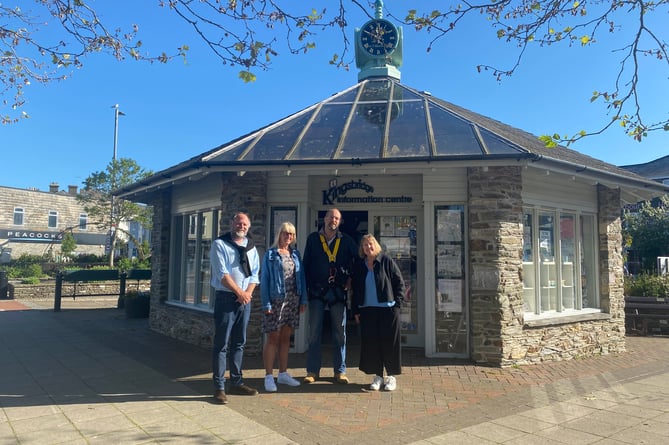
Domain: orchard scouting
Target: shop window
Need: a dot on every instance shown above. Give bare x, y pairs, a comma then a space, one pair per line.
190, 272
559, 262
53, 219
18, 216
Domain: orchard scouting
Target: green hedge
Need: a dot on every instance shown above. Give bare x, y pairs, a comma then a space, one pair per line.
644, 285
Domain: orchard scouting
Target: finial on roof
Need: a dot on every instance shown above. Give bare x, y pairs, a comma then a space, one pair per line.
379, 9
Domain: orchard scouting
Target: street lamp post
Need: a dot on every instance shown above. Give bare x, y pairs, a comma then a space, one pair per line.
117, 113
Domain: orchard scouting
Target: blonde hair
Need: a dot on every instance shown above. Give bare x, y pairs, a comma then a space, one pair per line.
369, 237
287, 227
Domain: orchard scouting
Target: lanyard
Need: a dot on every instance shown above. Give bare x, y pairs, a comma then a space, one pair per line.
331, 255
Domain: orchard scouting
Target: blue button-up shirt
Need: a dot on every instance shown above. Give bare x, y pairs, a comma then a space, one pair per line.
224, 259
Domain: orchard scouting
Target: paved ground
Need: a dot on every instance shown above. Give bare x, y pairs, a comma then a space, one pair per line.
88, 375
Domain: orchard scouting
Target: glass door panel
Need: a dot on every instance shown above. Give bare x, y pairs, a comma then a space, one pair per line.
397, 236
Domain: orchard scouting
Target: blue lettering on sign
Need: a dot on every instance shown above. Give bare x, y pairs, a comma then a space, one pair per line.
337, 194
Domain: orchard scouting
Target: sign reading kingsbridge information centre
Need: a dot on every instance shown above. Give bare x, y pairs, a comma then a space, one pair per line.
339, 194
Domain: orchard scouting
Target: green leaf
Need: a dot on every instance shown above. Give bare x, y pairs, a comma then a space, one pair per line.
247, 76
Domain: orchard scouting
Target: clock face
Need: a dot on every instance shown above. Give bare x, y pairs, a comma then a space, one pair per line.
378, 37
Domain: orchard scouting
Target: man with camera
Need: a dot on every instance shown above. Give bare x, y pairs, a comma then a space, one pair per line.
328, 261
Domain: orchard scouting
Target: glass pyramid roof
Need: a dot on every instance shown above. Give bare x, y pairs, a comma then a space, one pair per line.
377, 119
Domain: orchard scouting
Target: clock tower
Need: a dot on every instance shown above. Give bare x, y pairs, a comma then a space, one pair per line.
378, 47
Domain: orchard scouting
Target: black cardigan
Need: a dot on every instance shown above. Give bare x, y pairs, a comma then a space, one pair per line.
388, 279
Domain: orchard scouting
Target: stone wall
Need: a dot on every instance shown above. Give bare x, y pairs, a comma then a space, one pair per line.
585, 335
46, 290
238, 193
495, 261
499, 334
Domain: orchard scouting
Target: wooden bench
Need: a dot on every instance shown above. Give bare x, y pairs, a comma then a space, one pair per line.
94, 275
647, 315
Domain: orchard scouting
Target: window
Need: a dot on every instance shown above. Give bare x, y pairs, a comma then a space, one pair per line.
18, 216
190, 273
83, 221
53, 219
559, 262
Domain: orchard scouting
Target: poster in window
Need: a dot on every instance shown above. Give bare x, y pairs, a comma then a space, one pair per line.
281, 215
449, 227
387, 225
449, 295
449, 260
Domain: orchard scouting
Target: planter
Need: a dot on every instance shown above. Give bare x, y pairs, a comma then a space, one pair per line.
137, 306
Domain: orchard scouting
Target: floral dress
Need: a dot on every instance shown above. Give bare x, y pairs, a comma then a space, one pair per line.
287, 311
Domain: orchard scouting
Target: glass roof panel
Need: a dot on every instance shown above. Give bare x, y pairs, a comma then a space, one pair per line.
497, 145
274, 145
452, 135
233, 153
407, 135
376, 90
348, 97
365, 133
322, 137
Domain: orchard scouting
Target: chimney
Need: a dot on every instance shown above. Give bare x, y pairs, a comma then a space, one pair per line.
72, 190
53, 187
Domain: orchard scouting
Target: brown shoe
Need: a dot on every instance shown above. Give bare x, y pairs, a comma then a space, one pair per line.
220, 397
310, 378
340, 377
243, 390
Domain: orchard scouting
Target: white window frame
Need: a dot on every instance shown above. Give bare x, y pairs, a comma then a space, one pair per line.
83, 221
535, 281
188, 227
52, 214
19, 212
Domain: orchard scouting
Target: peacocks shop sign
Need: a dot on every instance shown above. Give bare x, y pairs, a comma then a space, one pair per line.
38, 236
339, 194
31, 235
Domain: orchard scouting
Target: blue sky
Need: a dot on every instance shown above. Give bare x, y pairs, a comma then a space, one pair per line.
176, 111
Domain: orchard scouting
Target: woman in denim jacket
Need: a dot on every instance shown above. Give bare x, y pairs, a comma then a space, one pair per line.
283, 296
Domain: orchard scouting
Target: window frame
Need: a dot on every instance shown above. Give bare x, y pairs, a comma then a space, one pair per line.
19, 212
83, 221
52, 214
180, 284
555, 279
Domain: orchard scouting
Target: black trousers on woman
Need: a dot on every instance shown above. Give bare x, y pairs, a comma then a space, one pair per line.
380, 340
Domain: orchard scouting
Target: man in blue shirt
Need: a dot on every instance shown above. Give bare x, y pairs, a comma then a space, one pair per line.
235, 267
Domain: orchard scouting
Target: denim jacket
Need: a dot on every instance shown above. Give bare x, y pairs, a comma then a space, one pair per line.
272, 282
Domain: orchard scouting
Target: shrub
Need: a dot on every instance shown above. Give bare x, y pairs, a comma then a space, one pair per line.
25, 270
644, 285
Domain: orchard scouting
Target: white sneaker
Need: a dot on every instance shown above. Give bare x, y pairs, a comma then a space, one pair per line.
376, 383
391, 383
270, 386
285, 379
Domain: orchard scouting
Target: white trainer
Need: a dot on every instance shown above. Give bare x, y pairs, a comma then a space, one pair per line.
376, 383
391, 383
270, 386
285, 379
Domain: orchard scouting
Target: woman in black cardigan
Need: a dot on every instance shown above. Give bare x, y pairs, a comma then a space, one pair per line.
378, 293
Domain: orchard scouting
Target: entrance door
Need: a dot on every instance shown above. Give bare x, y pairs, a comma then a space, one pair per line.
397, 233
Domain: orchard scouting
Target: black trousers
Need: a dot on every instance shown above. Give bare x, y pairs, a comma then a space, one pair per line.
380, 345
